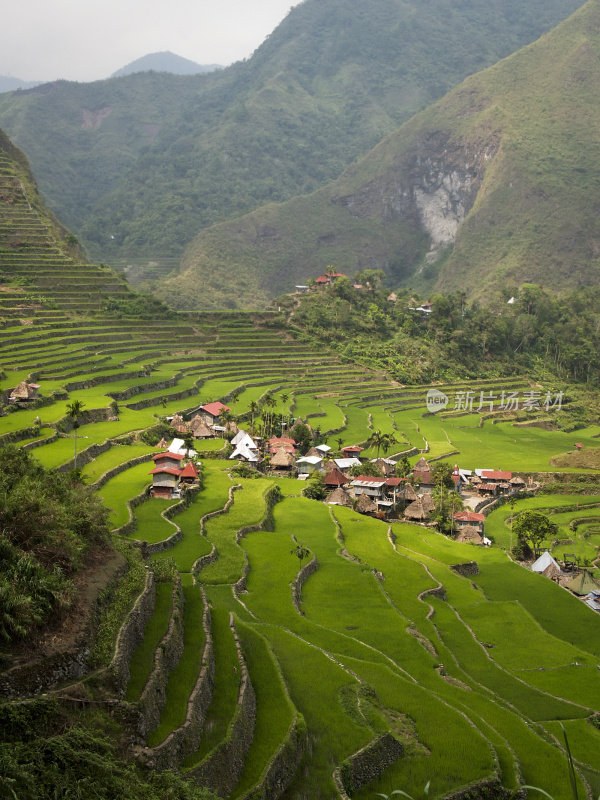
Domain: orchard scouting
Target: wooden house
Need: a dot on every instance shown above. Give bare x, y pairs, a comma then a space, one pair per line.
24, 393
335, 478
463, 519
166, 474
211, 412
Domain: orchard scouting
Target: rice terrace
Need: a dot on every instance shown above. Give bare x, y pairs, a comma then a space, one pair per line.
256, 637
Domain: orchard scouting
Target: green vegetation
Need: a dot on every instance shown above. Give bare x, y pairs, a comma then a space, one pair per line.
48, 525
158, 157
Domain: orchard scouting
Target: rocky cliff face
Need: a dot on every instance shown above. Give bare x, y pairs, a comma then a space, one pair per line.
433, 187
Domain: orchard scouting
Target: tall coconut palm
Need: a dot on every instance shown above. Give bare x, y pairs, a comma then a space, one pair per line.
376, 439
74, 411
253, 410
284, 398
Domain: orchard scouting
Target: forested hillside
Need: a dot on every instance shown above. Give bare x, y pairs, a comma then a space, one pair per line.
496, 183
136, 166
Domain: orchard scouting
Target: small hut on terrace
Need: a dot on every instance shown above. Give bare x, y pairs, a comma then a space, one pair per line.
24, 393
200, 429
543, 562
416, 512
338, 498
583, 584
469, 534
365, 505
428, 504
517, 482
282, 460
410, 494
335, 478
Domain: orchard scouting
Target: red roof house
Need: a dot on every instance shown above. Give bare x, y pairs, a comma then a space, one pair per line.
463, 518
189, 473
495, 475
210, 412
351, 450
335, 478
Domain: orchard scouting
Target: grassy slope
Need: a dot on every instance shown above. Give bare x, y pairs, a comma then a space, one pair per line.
529, 124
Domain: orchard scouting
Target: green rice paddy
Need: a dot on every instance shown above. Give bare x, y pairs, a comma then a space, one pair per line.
474, 684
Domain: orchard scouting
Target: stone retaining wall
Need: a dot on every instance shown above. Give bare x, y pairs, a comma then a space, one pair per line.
85, 456
142, 388
77, 386
185, 740
281, 769
298, 582
222, 768
32, 678
154, 401
111, 473
132, 503
166, 658
468, 569
40, 442
369, 763
132, 634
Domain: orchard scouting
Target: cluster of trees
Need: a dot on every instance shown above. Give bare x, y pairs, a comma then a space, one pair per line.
538, 331
48, 521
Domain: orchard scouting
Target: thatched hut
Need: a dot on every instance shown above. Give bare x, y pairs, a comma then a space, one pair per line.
24, 393
410, 494
416, 512
428, 504
422, 465
338, 498
282, 460
517, 482
469, 534
365, 505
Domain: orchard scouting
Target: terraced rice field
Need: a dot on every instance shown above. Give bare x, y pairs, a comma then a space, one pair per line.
471, 673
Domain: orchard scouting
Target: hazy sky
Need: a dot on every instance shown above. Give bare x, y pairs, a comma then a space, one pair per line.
87, 40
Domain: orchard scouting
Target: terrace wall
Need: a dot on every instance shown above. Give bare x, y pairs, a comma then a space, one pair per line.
131, 635
166, 658
298, 582
283, 766
184, 740
222, 768
369, 763
467, 570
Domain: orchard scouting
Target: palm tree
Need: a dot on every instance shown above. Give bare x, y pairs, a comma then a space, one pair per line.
235, 396
253, 410
301, 552
284, 398
388, 440
339, 442
269, 402
376, 439
74, 410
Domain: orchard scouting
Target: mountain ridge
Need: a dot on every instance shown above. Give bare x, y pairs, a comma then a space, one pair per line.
136, 166
497, 182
